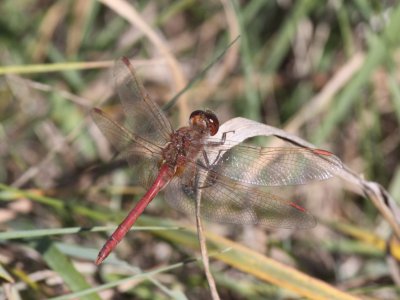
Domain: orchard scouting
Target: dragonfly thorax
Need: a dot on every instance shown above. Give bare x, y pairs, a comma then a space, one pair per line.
185, 144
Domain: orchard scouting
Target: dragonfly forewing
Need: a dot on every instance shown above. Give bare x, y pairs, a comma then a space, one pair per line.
269, 166
143, 116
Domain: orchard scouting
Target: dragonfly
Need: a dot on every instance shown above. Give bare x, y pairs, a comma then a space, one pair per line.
236, 182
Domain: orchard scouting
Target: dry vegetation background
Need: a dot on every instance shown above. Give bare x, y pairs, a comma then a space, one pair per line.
327, 71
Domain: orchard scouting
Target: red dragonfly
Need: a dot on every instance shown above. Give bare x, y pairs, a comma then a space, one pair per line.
189, 161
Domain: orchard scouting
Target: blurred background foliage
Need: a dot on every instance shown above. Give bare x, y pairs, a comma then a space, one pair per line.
327, 71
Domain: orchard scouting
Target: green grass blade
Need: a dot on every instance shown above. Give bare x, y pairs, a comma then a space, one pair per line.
63, 266
285, 35
113, 284
56, 67
252, 99
30, 234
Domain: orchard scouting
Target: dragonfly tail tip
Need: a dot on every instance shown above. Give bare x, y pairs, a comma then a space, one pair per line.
125, 60
100, 259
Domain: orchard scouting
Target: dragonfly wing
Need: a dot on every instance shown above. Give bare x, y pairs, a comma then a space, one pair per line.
272, 166
145, 168
144, 117
141, 155
228, 201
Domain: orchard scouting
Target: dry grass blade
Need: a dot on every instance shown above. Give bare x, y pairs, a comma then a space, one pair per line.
262, 267
322, 101
81, 10
54, 16
232, 56
19, 87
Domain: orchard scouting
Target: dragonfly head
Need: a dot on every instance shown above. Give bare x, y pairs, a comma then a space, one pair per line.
205, 120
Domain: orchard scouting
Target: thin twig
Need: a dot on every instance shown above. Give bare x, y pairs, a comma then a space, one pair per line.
203, 249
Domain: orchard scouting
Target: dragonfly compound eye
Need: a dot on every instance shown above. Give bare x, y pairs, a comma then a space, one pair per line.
196, 114
199, 119
212, 122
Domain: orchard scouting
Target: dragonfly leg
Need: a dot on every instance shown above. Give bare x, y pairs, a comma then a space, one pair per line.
225, 133
223, 139
209, 166
216, 144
